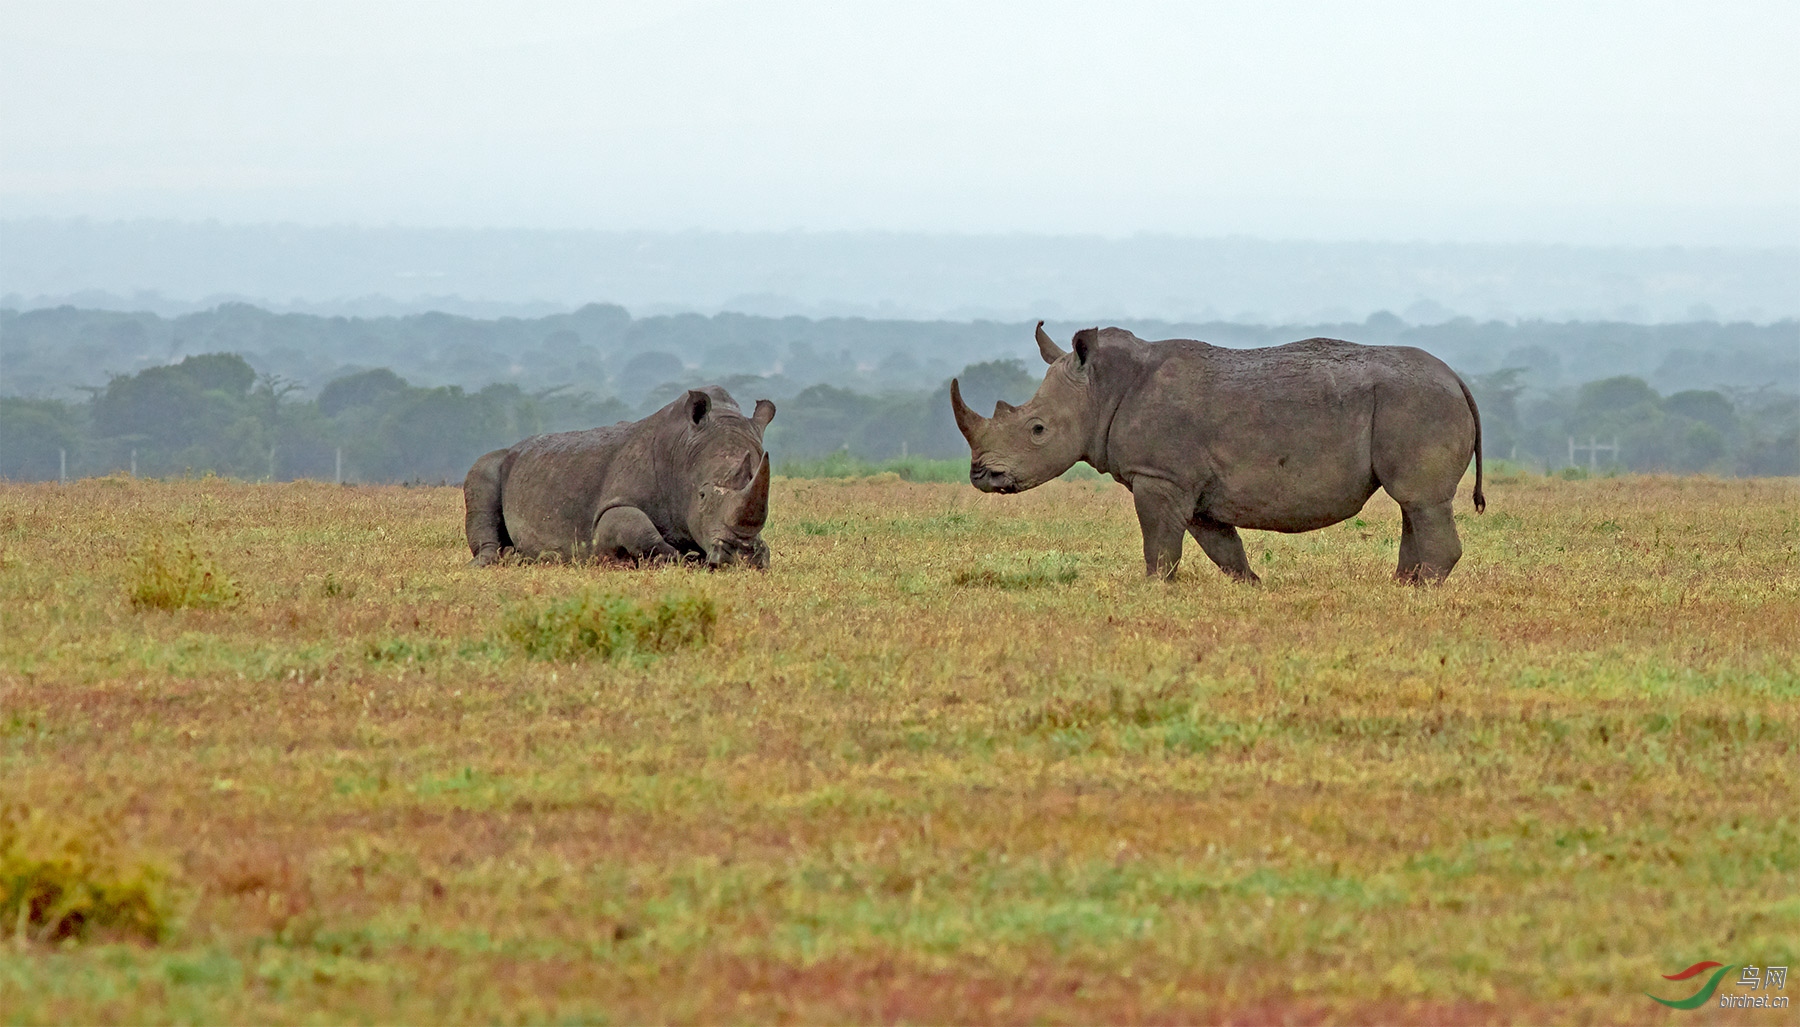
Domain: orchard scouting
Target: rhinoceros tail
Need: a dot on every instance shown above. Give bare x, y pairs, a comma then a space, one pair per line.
1475, 412
482, 518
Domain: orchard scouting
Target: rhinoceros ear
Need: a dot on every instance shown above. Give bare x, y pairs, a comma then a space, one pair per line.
1047, 349
698, 403
764, 413
1084, 343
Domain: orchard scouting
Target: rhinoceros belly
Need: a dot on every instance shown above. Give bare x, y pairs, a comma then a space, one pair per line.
1292, 469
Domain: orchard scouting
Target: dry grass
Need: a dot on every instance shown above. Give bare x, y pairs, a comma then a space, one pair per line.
879, 794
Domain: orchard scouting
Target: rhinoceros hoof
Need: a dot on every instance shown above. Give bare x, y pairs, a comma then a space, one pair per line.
491, 555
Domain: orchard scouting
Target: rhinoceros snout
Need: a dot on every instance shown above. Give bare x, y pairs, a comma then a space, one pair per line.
987, 479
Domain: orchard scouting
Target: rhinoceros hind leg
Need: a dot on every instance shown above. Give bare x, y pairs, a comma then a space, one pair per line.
483, 522
627, 533
1221, 543
1429, 547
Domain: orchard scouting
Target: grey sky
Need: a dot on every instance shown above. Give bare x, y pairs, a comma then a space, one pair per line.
1633, 123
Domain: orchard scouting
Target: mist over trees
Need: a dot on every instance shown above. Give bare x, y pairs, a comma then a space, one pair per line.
242, 391
181, 267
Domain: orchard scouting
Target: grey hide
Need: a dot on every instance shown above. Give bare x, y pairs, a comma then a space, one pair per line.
1210, 440
689, 480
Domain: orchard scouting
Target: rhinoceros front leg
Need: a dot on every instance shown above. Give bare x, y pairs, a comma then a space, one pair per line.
1221, 543
626, 533
1429, 547
1163, 512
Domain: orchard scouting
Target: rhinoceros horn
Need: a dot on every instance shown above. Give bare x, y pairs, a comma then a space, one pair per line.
753, 499
1047, 348
966, 420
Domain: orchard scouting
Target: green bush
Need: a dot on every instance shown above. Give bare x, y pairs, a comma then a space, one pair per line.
607, 626
68, 880
175, 576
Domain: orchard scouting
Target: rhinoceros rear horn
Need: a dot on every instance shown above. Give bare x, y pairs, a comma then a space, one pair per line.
753, 508
966, 420
1047, 347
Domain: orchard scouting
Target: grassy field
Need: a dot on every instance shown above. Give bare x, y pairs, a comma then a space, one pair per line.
950, 759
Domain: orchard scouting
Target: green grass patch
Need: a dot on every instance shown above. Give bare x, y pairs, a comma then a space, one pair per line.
594, 625
1014, 573
843, 465
909, 468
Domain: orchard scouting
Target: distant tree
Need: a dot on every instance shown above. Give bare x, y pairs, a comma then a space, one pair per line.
1706, 406
984, 384
1613, 396
562, 410
32, 431
818, 421
365, 388
646, 371
196, 414
221, 372
436, 434
1497, 397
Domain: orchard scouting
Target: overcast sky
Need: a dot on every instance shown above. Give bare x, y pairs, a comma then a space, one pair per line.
1632, 123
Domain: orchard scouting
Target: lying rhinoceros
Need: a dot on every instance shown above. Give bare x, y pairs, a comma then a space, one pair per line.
1210, 440
690, 479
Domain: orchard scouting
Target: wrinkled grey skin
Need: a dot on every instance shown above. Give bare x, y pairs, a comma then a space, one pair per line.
1210, 440
689, 480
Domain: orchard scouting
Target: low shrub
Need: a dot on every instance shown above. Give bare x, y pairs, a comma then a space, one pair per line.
175, 576
65, 879
607, 626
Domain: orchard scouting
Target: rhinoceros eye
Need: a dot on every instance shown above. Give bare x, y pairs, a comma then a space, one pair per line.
1037, 429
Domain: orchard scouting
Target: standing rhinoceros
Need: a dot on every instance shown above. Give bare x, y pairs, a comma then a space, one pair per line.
1210, 440
691, 478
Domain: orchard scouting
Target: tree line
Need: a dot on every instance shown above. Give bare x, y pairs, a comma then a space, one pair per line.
215, 413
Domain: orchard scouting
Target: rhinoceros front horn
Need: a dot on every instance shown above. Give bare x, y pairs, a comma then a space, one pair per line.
1047, 348
753, 506
966, 420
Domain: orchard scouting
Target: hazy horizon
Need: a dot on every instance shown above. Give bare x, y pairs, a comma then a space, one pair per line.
1540, 123
176, 267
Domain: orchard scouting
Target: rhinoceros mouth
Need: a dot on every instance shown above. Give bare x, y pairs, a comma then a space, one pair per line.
989, 480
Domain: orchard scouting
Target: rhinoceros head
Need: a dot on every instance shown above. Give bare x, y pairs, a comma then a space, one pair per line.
730, 475
1022, 447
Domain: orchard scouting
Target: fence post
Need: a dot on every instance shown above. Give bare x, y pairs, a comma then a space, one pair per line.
134, 463
339, 476
1571, 451
62, 466
1593, 465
